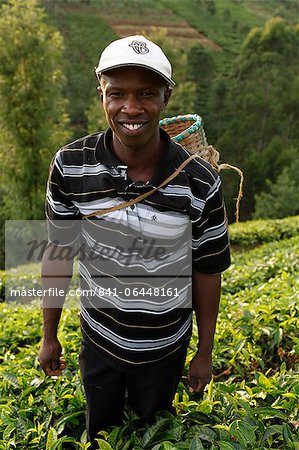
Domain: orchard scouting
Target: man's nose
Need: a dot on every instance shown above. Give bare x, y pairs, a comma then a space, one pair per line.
132, 105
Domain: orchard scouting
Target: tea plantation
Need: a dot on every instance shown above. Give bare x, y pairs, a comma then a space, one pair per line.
252, 402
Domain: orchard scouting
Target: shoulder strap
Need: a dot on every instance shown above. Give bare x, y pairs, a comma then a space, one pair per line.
143, 196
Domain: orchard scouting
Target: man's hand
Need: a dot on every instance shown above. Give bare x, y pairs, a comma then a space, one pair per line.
55, 274
50, 358
200, 372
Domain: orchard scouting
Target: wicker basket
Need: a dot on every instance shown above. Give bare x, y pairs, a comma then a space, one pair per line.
188, 131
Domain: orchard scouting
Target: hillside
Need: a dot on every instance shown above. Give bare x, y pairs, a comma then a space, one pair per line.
250, 113
228, 22
89, 25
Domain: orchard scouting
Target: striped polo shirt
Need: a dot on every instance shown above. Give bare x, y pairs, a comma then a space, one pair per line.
127, 313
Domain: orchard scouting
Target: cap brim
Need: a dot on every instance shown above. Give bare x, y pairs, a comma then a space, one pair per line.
99, 71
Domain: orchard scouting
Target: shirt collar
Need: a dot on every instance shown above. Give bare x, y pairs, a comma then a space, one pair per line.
165, 166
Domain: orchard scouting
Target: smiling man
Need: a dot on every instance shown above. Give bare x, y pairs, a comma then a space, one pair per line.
133, 99
136, 351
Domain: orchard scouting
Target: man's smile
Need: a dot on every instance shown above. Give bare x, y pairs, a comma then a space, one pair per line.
132, 128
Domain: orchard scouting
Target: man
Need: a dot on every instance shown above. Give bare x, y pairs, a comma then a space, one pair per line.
139, 352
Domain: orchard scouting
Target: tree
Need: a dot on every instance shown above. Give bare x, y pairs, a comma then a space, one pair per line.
211, 6
181, 100
201, 70
227, 15
282, 197
96, 118
32, 113
216, 109
262, 110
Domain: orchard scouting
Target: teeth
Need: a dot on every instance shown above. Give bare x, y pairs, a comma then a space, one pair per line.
132, 126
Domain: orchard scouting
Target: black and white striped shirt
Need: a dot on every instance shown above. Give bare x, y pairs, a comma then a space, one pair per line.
86, 177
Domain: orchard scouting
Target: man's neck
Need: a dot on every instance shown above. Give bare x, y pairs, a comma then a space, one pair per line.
141, 162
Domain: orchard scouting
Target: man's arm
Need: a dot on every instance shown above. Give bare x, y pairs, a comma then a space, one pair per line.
55, 274
206, 290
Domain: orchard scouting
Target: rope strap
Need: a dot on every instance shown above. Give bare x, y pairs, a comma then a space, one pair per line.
142, 196
240, 193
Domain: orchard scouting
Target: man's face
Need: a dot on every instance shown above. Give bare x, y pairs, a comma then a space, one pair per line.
133, 99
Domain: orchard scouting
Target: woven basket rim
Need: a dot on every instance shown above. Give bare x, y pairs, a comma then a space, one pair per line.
182, 118
195, 126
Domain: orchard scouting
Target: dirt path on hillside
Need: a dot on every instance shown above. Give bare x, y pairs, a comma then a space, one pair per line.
184, 34
183, 31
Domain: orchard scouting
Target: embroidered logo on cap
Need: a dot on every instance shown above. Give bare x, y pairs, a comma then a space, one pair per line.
139, 47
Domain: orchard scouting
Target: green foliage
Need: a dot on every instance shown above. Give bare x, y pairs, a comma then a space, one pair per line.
32, 113
84, 25
211, 22
252, 113
200, 64
151, 11
259, 265
85, 35
259, 231
201, 70
252, 402
263, 302
216, 121
181, 100
282, 197
96, 118
262, 117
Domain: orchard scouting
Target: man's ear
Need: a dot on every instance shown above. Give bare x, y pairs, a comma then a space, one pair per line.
167, 94
100, 93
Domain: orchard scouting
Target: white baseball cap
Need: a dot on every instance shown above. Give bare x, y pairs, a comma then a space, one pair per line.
135, 51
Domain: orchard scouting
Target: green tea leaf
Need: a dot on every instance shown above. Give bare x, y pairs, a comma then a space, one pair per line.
9, 430
67, 418
274, 429
128, 445
264, 381
51, 438
154, 432
243, 432
200, 417
164, 446
6, 418
12, 378
196, 444
21, 428
206, 433
223, 445
287, 434
205, 406
104, 445
268, 411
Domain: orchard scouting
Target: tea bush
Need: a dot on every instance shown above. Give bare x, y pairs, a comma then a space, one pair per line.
260, 231
252, 402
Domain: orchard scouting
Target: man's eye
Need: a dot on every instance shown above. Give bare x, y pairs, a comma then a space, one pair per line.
147, 94
115, 94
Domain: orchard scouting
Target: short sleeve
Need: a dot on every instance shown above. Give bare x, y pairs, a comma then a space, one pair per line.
210, 243
61, 213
